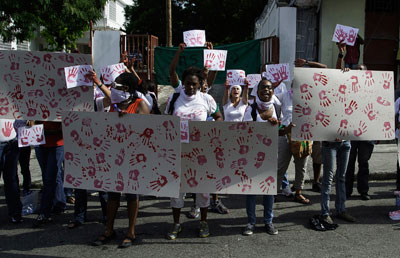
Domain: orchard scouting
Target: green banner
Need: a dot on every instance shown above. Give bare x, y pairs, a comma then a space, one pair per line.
244, 56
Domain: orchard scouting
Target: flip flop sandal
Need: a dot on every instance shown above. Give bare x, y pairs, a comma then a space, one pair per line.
301, 199
125, 243
103, 239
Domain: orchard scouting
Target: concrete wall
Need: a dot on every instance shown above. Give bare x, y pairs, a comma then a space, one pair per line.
350, 13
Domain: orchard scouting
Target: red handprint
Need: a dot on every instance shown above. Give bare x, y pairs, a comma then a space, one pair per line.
221, 58
102, 144
35, 93
14, 62
351, 107
67, 58
284, 73
170, 131
209, 59
137, 158
243, 145
24, 138
86, 127
47, 62
324, 100
387, 80
12, 77
72, 75
38, 131
45, 81
368, 78
305, 132
320, 78
323, 118
167, 154
119, 183
369, 111
45, 111
266, 184
306, 94
383, 102
190, 176
106, 73
101, 184
75, 182
4, 111
342, 93
214, 136
173, 174
120, 157
387, 129
7, 129
341, 35
223, 183
84, 75
264, 140
119, 68
161, 181
197, 154
303, 111
134, 179
352, 37
17, 94
343, 131
15, 112
50, 99
276, 76
70, 118
246, 184
62, 92
355, 86
259, 159
239, 164
30, 78
71, 159
31, 106
362, 128
219, 157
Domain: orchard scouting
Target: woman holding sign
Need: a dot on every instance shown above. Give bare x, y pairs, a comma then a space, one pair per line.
262, 110
191, 104
124, 100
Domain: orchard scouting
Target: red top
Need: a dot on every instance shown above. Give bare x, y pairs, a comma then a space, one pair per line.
131, 108
52, 133
352, 53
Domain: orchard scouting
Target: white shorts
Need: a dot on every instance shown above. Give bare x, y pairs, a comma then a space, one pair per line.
202, 200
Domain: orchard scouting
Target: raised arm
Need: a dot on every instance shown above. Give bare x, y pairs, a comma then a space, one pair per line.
225, 98
211, 74
245, 95
342, 48
301, 62
173, 76
107, 93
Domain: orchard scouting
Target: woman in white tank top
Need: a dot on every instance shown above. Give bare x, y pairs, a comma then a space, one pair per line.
234, 105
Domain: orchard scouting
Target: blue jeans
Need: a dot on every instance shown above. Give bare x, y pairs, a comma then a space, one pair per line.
9, 153
268, 202
285, 181
334, 152
51, 161
360, 151
80, 207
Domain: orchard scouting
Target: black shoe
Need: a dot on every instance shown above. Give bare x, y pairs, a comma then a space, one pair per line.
40, 220
316, 187
365, 197
16, 219
103, 239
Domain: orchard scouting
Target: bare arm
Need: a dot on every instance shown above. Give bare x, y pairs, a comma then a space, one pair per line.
342, 48
92, 75
245, 95
218, 116
225, 98
173, 76
142, 108
301, 62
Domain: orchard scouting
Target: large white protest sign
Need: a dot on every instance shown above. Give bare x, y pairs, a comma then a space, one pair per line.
253, 80
32, 85
346, 34
194, 38
277, 72
111, 72
129, 154
31, 135
235, 77
230, 158
215, 60
354, 105
78, 76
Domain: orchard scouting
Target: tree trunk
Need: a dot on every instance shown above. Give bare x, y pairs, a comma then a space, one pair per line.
169, 23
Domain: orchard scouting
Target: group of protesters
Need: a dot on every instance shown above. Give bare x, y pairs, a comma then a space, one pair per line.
268, 102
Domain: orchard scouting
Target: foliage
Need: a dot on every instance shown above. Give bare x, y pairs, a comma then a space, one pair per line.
59, 22
225, 21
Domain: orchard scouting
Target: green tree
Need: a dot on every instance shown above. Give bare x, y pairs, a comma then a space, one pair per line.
59, 22
225, 21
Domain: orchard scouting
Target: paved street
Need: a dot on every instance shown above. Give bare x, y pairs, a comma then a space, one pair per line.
373, 235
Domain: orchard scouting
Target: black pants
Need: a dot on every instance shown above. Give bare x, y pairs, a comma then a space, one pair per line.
24, 159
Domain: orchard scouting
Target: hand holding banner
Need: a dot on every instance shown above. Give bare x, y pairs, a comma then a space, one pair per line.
77, 76
253, 79
277, 72
31, 136
235, 77
346, 34
215, 60
194, 38
110, 72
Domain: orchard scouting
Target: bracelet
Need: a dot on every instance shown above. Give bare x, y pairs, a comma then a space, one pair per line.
101, 85
306, 62
340, 55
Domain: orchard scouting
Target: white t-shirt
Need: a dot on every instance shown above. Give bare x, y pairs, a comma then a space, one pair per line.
196, 109
286, 107
7, 130
248, 117
233, 113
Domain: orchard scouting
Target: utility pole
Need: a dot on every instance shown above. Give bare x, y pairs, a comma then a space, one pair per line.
169, 23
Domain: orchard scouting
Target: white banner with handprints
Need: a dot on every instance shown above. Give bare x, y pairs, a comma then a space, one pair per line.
346, 34
215, 60
32, 85
129, 154
329, 104
253, 80
78, 76
277, 72
230, 158
31, 135
111, 72
194, 38
235, 77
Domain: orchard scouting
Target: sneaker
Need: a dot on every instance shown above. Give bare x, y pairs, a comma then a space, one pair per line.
173, 233
40, 220
194, 213
219, 207
394, 215
249, 230
327, 219
204, 232
316, 187
271, 229
287, 192
346, 217
365, 197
